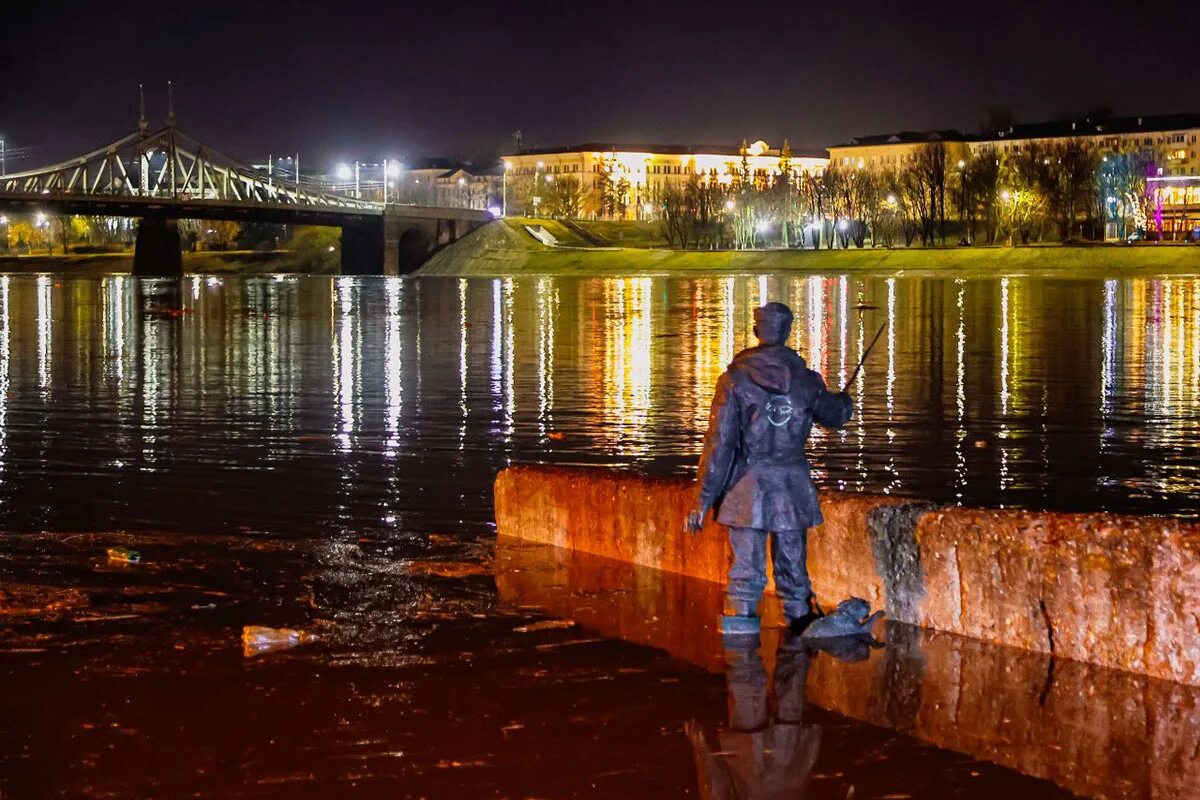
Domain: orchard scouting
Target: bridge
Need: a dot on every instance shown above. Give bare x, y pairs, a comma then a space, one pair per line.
164, 176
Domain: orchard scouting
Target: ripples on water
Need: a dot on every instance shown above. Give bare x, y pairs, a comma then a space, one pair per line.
301, 405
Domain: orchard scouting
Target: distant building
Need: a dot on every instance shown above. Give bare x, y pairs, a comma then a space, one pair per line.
432, 182
1169, 143
628, 180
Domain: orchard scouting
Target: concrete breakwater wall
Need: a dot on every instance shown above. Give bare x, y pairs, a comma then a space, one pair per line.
1118, 591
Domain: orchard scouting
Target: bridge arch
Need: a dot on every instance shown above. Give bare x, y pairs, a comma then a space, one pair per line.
414, 247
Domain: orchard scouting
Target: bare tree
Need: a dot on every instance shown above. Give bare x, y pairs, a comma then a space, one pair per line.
564, 196
930, 166
678, 217
1066, 180
983, 194
1023, 204
1122, 191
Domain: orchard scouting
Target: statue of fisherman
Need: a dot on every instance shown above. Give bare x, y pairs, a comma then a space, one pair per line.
754, 471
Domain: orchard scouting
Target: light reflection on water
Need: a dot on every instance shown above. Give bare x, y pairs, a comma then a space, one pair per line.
307, 405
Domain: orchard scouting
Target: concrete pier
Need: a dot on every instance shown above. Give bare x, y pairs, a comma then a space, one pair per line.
1117, 591
157, 252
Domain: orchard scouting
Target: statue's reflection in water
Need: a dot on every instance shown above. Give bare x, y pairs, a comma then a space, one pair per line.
768, 750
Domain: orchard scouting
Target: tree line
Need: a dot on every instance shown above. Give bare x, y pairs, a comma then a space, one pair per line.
1065, 190
59, 234
1062, 189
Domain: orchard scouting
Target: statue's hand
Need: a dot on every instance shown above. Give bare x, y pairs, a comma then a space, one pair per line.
695, 519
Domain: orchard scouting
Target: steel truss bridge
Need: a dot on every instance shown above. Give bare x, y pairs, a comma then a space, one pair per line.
164, 176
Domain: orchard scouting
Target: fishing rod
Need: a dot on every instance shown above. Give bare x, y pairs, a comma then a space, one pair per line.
866, 353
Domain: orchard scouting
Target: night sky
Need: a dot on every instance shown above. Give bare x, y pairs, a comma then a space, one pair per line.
338, 81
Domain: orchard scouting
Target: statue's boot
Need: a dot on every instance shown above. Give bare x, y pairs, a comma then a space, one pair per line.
802, 614
739, 619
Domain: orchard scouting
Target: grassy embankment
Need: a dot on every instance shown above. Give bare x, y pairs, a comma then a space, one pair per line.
242, 262
505, 248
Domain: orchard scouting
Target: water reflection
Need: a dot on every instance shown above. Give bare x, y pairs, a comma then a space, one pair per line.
362, 394
1003, 707
763, 752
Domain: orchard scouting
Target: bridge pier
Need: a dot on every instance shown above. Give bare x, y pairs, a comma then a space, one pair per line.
363, 248
157, 252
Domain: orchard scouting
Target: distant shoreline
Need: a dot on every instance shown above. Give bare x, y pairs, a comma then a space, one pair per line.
503, 248
242, 262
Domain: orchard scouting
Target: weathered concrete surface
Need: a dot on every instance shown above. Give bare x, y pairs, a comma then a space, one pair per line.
1097, 732
1121, 592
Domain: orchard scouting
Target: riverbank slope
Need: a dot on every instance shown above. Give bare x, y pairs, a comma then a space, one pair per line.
504, 248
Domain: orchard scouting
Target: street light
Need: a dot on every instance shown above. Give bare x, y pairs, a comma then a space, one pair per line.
390, 170
344, 172
962, 200
504, 189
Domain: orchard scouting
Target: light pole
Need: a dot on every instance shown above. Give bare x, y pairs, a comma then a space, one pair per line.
537, 175
962, 200
504, 189
3, 167
344, 173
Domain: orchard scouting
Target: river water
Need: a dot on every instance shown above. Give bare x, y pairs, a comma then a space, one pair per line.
319, 452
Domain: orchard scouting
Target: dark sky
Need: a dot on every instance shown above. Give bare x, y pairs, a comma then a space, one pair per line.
346, 80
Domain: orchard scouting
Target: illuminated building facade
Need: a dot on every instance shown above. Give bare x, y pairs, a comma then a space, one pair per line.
633, 177
1170, 144
432, 182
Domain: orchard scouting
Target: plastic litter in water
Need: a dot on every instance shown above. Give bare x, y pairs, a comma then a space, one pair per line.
447, 569
545, 625
258, 640
124, 555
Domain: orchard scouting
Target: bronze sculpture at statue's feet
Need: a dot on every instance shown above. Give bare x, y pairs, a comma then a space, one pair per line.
852, 617
755, 474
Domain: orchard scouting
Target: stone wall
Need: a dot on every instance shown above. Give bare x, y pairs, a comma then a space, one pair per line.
1121, 592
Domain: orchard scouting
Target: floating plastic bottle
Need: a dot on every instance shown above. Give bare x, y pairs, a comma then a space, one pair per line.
124, 555
257, 640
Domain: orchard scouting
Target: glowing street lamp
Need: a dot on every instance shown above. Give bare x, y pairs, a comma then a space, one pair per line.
730, 205
391, 169
344, 173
